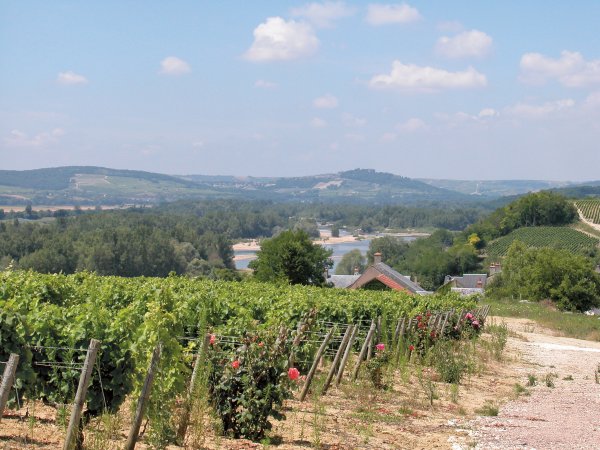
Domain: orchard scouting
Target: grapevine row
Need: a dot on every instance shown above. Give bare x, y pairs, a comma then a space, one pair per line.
50, 318
555, 237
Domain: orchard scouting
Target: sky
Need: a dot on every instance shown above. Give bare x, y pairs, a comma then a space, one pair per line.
431, 89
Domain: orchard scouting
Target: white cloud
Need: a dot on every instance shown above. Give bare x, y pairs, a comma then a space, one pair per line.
172, 65
317, 122
388, 137
466, 44
487, 113
69, 77
264, 84
384, 14
352, 121
593, 100
529, 111
17, 138
197, 144
327, 101
411, 126
280, 40
410, 77
324, 14
571, 69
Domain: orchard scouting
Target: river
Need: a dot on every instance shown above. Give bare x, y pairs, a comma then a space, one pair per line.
339, 250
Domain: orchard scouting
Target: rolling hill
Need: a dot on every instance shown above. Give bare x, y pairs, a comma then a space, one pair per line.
90, 185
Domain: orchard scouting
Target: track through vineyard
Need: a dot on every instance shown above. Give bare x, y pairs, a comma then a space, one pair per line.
589, 218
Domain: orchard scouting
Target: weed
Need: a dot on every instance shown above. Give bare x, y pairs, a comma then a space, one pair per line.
454, 393
597, 374
405, 410
498, 339
549, 379
568, 378
448, 360
62, 415
521, 390
488, 409
531, 380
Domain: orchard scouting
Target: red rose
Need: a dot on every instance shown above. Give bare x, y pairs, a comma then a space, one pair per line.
235, 364
212, 339
293, 373
411, 347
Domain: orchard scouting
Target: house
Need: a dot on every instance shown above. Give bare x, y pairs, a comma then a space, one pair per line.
342, 281
380, 276
468, 284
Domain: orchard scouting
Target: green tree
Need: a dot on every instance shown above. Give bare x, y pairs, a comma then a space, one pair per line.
545, 273
335, 231
292, 257
392, 249
354, 259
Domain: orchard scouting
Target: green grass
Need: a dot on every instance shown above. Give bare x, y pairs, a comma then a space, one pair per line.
574, 325
556, 237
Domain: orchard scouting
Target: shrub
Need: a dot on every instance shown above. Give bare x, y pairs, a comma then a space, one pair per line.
249, 386
376, 365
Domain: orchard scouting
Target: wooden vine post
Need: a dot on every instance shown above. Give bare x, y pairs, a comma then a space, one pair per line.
71, 440
313, 369
347, 352
8, 378
187, 407
364, 349
337, 358
144, 396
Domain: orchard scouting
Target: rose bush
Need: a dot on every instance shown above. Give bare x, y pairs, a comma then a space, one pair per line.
249, 386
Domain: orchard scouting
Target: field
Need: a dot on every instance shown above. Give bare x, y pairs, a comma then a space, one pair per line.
555, 237
590, 209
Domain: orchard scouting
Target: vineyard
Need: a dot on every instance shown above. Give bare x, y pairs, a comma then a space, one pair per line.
590, 209
555, 237
256, 331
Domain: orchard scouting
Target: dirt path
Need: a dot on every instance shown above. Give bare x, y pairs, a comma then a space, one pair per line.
587, 222
566, 416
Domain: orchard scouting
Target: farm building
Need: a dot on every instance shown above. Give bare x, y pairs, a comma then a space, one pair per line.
378, 276
468, 284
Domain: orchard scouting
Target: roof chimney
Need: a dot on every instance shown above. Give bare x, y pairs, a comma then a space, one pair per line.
356, 270
377, 258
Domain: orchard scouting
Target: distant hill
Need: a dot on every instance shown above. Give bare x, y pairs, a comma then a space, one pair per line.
90, 185
497, 188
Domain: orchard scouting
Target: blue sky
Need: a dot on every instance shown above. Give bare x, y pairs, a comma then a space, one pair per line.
452, 89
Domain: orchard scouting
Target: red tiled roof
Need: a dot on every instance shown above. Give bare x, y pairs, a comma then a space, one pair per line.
390, 283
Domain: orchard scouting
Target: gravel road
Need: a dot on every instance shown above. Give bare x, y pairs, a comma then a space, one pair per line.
565, 416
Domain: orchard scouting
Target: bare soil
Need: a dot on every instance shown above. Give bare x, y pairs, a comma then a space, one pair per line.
356, 416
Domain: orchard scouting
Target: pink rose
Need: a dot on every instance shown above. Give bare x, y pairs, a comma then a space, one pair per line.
469, 316
475, 324
212, 339
380, 347
293, 373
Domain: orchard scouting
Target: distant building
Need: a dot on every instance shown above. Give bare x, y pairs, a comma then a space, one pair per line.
380, 276
342, 281
468, 284
495, 268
